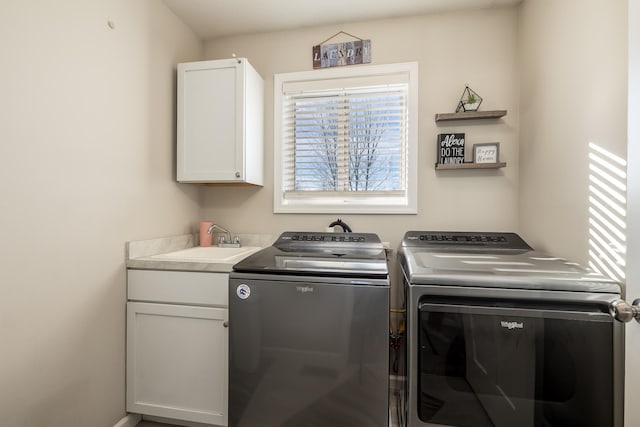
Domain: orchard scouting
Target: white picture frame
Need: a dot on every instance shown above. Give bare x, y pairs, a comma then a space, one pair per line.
486, 153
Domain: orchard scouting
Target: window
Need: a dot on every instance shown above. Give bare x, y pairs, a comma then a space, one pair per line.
346, 140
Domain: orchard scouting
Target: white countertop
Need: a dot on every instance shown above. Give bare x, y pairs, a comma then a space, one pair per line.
180, 253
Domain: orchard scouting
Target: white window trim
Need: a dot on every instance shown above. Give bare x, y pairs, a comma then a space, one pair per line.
357, 204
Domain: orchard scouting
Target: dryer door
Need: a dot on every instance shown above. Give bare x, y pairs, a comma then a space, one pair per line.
483, 363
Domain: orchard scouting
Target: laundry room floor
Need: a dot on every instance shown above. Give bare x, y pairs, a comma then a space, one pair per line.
394, 413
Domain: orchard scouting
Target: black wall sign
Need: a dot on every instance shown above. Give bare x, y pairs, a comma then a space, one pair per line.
451, 148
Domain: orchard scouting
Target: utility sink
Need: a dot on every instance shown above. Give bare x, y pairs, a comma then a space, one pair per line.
211, 254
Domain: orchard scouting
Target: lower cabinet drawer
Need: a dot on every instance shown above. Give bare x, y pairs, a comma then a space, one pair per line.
178, 287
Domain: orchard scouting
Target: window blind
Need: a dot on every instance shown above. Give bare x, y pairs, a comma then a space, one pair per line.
350, 140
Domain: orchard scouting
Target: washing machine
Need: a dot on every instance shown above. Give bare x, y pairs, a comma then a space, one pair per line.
501, 335
309, 333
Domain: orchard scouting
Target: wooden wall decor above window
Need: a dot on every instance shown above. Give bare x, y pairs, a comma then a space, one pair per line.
340, 54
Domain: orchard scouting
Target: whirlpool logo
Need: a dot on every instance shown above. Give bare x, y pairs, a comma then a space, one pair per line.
512, 325
243, 291
304, 289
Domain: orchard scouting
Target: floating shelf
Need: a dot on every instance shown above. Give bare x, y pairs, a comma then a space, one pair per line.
471, 115
470, 165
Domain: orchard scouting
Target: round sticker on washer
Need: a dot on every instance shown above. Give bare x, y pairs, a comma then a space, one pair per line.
243, 291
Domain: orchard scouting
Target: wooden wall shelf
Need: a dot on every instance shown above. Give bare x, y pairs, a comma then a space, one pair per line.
470, 165
471, 115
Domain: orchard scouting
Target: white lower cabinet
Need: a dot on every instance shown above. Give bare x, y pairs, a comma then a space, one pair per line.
177, 356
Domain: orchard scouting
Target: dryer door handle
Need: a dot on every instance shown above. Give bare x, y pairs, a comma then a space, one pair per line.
624, 312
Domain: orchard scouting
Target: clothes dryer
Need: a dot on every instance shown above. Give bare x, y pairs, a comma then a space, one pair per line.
501, 335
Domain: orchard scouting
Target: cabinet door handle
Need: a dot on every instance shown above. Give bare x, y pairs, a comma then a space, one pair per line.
225, 324
238, 174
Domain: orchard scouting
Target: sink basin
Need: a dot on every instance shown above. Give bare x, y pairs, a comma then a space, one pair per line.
211, 254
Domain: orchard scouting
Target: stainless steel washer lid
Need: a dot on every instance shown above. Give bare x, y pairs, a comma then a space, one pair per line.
320, 254
508, 264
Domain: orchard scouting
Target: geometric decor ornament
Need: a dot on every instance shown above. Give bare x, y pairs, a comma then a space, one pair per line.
469, 101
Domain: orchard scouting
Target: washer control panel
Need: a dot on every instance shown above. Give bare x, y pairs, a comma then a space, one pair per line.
319, 240
327, 238
464, 240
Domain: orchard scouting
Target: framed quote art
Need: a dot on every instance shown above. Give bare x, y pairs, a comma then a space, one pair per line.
486, 152
450, 148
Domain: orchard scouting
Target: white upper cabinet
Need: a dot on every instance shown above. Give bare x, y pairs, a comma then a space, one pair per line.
220, 122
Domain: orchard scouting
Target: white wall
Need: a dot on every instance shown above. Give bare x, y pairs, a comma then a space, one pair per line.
573, 75
632, 333
482, 54
87, 150
87, 163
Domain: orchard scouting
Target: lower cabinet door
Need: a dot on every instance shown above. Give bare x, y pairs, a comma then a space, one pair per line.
177, 362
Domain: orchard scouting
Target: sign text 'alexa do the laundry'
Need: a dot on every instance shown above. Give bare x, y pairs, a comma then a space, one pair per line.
451, 148
339, 54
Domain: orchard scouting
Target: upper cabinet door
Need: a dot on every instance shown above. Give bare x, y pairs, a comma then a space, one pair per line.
220, 122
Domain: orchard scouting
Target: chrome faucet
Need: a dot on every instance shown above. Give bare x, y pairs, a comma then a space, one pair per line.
228, 242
